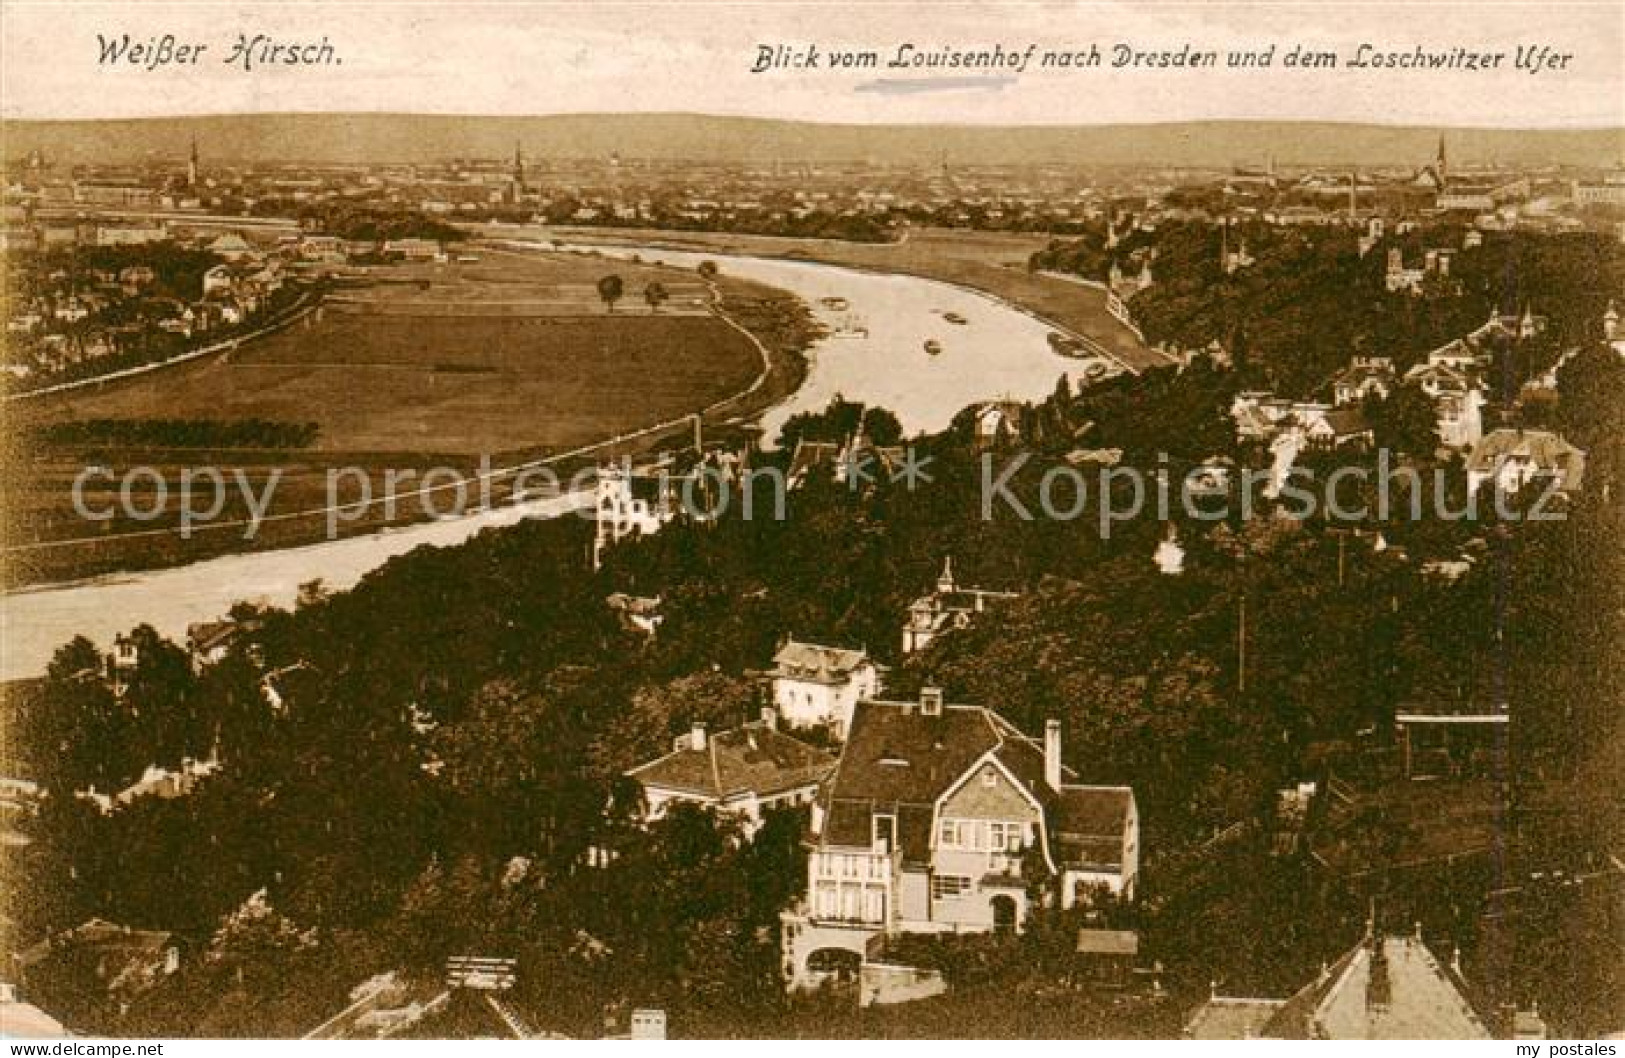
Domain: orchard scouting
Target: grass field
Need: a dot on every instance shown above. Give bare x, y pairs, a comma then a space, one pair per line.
450, 384
512, 357
415, 378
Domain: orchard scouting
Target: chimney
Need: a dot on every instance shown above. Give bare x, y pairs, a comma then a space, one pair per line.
1052, 754
770, 718
931, 701
696, 738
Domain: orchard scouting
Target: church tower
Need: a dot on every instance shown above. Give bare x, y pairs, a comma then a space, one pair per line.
516, 181
1441, 165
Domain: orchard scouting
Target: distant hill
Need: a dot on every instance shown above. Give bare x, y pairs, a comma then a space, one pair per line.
421, 138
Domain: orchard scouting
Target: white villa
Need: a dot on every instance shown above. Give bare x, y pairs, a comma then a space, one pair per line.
819, 686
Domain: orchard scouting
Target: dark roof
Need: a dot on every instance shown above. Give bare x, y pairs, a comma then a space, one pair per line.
1346, 421
899, 761
207, 635
752, 758
895, 753
810, 661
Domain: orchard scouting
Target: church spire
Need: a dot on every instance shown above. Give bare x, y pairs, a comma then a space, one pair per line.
516, 180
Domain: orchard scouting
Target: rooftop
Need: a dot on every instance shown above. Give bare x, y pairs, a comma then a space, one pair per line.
753, 758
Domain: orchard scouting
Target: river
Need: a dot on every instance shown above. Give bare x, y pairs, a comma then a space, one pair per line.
997, 351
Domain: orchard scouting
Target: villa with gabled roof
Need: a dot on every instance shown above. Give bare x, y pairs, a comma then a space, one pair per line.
927, 825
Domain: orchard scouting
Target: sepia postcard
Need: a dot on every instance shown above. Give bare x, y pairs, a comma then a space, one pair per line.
548, 520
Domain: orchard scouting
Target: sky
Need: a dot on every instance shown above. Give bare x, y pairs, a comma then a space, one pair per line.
611, 56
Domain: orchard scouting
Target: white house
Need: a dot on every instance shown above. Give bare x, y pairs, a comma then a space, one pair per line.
819, 686
927, 821
1366, 376
628, 503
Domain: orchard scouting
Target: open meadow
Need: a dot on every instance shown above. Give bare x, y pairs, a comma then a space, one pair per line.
511, 356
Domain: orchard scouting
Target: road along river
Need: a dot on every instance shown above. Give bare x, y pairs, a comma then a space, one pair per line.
996, 351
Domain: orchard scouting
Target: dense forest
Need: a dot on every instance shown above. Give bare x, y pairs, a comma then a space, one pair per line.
432, 762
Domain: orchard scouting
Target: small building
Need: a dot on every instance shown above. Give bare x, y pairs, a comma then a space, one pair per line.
1105, 958
1511, 458
743, 772
856, 461
997, 422
819, 686
209, 641
413, 249
1339, 428
637, 612
948, 607
166, 784
231, 246
1366, 376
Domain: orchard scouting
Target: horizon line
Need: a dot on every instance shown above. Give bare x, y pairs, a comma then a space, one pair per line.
1400, 125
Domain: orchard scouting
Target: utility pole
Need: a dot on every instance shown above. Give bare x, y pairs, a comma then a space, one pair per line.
1241, 645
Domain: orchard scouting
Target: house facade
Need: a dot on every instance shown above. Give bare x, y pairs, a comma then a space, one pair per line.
1366, 376
1451, 378
819, 686
927, 822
